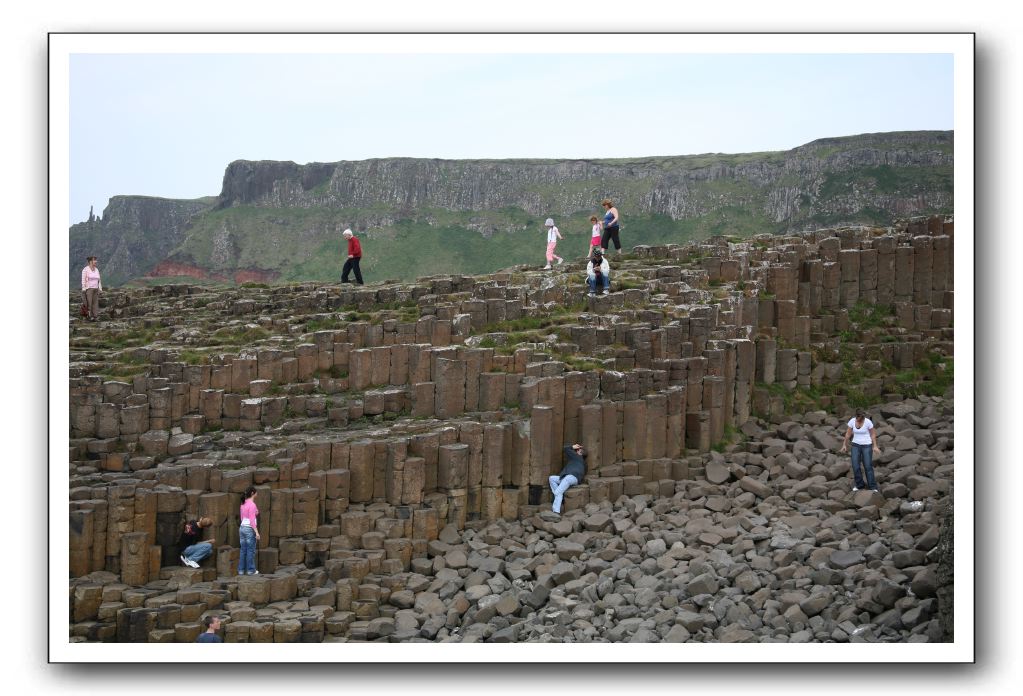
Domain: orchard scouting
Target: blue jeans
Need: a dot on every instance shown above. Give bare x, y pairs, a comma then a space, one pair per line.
864, 454
247, 556
560, 484
197, 552
592, 282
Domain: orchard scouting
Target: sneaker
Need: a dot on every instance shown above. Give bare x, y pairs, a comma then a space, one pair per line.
875, 490
194, 564
184, 560
547, 267
255, 572
593, 294
560, 260
855, 489
605, 293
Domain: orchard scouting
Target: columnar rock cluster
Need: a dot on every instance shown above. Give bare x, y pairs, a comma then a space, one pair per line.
401, 437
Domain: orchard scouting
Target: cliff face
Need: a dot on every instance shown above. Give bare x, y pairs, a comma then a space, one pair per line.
279, 219
783, 185
134, 234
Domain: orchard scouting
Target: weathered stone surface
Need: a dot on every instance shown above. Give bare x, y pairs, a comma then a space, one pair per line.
381, 522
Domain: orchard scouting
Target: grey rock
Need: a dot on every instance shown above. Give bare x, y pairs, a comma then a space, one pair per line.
654, 548
755, 487
563, 572
886, 593
702, 584
644, 635
403, 599
455, 558
677, 634
825, 441
537, 597
449, 535
598, 522
841, 560
908, 558
924, 583
430, 604
717, 473
690, 620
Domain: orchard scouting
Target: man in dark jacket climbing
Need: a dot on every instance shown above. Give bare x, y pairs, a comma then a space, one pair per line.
571, 474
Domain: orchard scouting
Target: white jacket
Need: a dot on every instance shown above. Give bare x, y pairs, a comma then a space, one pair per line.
605, 269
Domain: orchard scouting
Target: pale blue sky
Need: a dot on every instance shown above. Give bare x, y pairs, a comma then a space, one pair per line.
167, 125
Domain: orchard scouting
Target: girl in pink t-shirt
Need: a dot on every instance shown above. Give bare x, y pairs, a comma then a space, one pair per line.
595, 233
248, 533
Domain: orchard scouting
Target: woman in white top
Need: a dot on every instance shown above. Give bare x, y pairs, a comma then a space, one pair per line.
553, 235
864, 444
92, 286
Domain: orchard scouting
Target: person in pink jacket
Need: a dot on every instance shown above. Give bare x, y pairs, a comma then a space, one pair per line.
248, 533
92, 286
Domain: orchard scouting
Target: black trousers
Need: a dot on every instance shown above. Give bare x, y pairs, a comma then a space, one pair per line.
610, 234
351, 265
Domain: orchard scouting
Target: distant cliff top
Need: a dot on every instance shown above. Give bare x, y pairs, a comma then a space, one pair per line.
277, 220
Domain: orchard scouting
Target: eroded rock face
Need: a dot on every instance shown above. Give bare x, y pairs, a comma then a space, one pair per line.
402, 468
771, 564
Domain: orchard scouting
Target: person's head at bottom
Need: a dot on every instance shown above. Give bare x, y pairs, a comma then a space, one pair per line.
211, 624
580, 450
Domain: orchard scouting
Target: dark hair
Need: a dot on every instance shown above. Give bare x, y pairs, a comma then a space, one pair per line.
208, 621
89, 258
860, 413
607, 202
249, 492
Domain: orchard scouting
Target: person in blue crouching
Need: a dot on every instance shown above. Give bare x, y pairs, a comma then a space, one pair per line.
571, 474
598, 273
190, 544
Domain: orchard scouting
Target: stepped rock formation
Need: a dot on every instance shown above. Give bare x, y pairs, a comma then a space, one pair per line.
281, 220
401, 437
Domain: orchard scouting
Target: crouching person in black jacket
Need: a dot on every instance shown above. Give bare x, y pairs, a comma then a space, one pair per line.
571, 474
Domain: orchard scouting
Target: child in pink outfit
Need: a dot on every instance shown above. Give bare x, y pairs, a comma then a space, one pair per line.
595, 234
553, 235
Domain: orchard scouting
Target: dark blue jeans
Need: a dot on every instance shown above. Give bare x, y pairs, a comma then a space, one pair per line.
863, 454
605, 282
197, 552
247, 555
